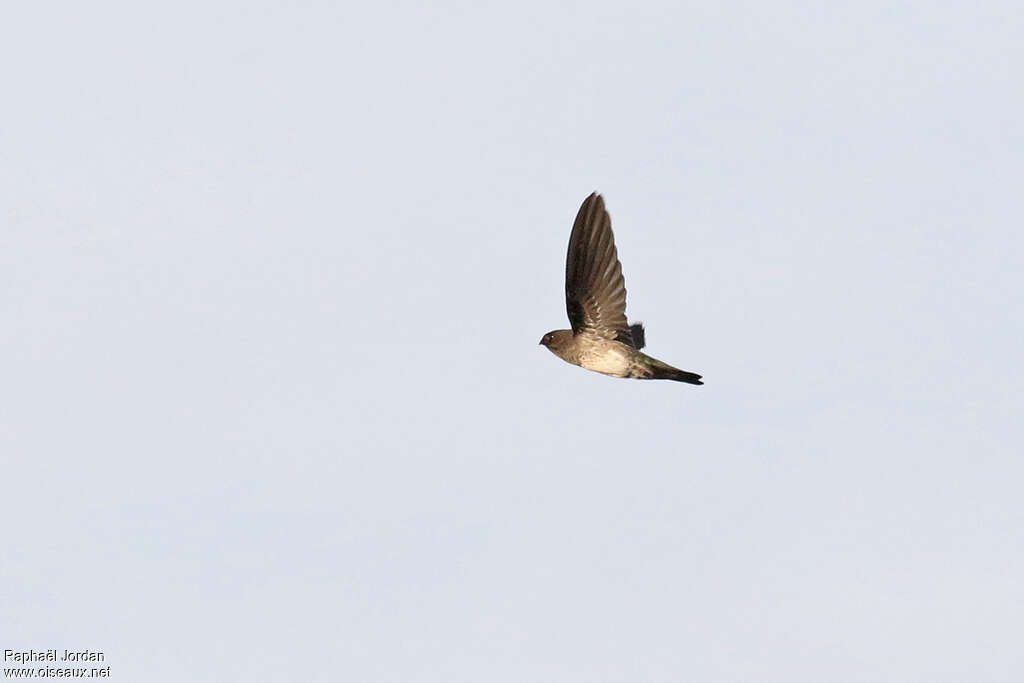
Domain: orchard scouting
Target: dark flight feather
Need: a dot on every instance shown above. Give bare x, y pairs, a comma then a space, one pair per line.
639, 338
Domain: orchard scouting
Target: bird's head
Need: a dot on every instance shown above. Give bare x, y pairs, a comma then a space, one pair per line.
556, 339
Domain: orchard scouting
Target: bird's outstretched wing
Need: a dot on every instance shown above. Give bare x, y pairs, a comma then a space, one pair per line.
595, 291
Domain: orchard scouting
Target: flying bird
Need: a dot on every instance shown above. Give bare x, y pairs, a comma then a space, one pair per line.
595, 298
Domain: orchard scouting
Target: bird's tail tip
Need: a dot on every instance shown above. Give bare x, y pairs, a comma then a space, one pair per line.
689, 378
683, 376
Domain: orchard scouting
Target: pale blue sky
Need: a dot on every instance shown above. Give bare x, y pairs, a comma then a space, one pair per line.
272, 278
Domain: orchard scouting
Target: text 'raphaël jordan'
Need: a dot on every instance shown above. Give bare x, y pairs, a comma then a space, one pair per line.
24, 656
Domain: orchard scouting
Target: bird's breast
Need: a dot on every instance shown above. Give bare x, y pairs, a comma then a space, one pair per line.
605, 356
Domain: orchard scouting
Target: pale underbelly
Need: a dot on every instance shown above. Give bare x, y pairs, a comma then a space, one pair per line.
611, 361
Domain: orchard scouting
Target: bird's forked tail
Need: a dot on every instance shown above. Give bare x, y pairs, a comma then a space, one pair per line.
660, 370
